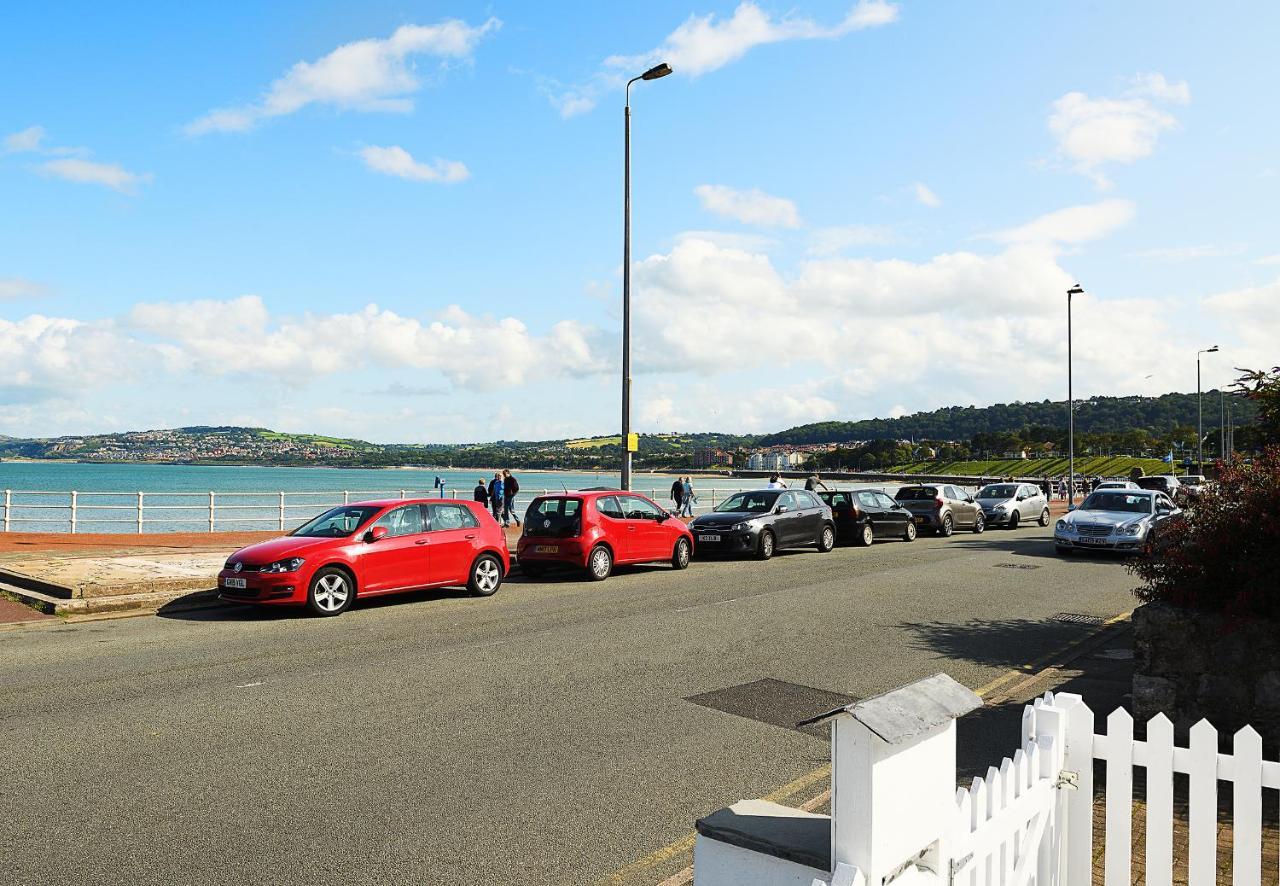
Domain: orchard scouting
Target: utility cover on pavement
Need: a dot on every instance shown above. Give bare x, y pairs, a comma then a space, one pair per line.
775, 702
1079, 618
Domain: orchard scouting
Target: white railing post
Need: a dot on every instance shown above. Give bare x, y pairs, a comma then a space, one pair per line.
73, 512
403, 494
140, 506
282, 511
8, 504
346, 497
211, 515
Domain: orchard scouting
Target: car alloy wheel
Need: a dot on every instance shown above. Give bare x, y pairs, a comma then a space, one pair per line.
680, 558
947, 527
330, 592
1044, 517
486, 576
979, 524
764, 549
600, 564
826, 539
910, 534
866, 535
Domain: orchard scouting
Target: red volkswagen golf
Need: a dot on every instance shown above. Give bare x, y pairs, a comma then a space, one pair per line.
368, 549
596, 528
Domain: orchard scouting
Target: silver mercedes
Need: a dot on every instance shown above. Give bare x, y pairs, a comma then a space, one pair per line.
1113, 520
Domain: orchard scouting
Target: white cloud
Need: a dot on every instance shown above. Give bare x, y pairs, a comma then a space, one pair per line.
395, 160
705, 43
366, 75
108, 175
753, 207
1253, 317
1094, 132
14, 288
1268, 260
1189, 253
925, 196
828, 241
1075, 224
27, 140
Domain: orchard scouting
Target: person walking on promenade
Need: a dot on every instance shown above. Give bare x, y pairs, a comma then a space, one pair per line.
677, 494
775, 482
481, 494
496, 496
814, 482
510, 486
689, 499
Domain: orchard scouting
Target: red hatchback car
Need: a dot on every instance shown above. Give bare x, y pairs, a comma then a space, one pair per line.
597, 528
371, 548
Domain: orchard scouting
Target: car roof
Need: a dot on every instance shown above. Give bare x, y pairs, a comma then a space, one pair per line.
389, 502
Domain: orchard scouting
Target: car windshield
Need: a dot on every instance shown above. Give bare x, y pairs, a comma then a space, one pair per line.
1118, 501
916, 493
749, 502
1000, 490
1158, 483
336, 523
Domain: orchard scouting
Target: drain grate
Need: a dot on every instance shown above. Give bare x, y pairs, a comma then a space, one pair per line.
1017, 566
1079, 618
775, 702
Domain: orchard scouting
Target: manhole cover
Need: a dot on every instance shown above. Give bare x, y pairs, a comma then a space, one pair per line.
1078, 618
1017, 566
775, 702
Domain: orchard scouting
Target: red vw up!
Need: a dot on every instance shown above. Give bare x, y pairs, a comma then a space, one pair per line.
597, 528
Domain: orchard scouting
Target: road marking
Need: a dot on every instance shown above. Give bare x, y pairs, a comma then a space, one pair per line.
250, 685
1032, 671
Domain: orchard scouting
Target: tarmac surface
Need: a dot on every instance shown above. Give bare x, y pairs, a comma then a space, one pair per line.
561, 731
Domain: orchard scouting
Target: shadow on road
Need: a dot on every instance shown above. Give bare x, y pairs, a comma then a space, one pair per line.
181, 608
1007, 643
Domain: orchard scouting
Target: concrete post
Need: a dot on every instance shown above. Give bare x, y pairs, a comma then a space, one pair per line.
8, 503
140, 506
73, 512
211, 507
282, 511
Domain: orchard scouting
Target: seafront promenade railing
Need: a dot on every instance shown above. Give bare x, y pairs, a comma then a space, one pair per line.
25, 510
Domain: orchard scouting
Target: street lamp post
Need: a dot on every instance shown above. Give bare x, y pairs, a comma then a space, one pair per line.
1200, 412
653, 73
1071, 407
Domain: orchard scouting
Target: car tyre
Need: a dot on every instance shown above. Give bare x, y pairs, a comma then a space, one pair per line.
1044, 517
948, 527
486, 576
826, 538
600, 563
866, 535
979, 524
910, 533
680, 556
331, 592
765, 546
1014, 519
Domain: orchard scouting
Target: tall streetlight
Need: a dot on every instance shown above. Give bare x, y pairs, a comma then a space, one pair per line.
1200, 413
660, 70
1071, 406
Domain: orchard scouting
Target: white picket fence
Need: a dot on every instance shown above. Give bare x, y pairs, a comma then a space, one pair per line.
1030, 819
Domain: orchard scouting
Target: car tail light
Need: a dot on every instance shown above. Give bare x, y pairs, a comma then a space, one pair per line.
937, 504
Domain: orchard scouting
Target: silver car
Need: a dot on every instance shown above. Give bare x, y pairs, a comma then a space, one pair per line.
1008, 504
941, 508
1113, 520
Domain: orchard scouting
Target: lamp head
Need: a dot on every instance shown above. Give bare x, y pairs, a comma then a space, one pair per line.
1075, 290
1212, 350
659, 70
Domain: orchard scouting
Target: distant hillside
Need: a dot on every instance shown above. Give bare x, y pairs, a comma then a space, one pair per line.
1096, 415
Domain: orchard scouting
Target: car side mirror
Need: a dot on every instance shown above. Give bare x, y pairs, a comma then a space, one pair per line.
782, 509
374, 534
1071, 507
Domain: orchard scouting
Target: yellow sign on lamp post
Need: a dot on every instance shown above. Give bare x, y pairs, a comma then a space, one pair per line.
633, 442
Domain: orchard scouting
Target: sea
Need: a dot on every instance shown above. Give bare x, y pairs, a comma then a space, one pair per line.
176, 498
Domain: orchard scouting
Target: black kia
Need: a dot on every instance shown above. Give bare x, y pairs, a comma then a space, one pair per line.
863, 515
763, 521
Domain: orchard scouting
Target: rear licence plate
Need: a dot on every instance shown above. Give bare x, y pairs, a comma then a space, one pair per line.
234, 583
708, 536
546, 549
922, 519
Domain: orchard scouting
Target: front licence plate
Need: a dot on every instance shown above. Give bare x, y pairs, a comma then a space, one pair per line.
234, 583
1091, 541
708, 536
546, 549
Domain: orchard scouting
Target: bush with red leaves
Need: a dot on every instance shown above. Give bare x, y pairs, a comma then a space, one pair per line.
1222, 553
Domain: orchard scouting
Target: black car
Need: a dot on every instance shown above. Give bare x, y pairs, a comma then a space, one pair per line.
864, 515
764, 521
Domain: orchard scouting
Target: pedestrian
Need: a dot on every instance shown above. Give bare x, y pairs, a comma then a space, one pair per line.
677, 494
496, 496
689, 499
481, 494
510, 486
814, 482
775, 482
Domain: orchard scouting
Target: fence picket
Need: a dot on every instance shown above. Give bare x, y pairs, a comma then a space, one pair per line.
1079, 759
1007, 795
1246, 807
995, 803
978, 813
1159, 854
1202, 841
1119, 845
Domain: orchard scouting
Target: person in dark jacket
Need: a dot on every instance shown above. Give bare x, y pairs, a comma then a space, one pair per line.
481, 494
510, 486
495, 496
677, 494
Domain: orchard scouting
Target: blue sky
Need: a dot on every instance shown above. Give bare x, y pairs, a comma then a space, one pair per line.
402, 221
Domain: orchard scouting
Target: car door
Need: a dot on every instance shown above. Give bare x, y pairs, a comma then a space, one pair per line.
644, 529
870, 509
893, 515
1035, 502
401, 558
814, 514
453, 538
787, 519
618, 531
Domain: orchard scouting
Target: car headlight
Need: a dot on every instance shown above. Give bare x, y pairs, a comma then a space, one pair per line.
741, 527
293, 564
1064, 526
1134, 529
999, 509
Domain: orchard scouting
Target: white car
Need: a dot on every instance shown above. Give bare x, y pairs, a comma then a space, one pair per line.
1117, 484
1008, 504
1113, 520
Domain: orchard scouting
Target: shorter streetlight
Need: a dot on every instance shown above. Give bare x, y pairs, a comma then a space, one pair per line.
1071, 406
1200, 412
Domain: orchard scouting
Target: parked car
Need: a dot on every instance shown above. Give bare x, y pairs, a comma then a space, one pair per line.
863, 515
1008, 504
1166, 483
1113, 520
597, 529
1192, 484
942, 508
368, 549
764, 521
1118, 484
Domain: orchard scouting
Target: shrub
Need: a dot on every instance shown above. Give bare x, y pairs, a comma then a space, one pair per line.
1222, 553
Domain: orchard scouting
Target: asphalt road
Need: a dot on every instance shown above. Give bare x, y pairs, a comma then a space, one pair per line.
544, 735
